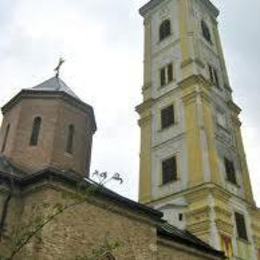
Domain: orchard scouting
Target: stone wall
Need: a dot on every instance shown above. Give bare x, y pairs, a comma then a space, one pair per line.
83, 228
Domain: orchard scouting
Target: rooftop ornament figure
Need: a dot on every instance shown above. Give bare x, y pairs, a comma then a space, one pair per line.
57, 69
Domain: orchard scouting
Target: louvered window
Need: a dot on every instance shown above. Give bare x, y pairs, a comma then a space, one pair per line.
170, 72
166, 75
241, 226
70, 139
167, 117
205, 31
165, 29
163, 77
169, 170
213, 74
230, 171
35, 131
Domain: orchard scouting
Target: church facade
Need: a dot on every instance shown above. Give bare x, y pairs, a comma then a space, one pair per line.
192, 160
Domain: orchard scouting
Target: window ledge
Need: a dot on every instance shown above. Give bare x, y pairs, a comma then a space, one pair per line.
168, 127
243, 240
220, 89
223, 128
209, 43
169, 183
33, 146
164, 39
233, 184
68, 154
167, 85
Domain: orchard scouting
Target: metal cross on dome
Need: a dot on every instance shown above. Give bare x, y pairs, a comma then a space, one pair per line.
57, 69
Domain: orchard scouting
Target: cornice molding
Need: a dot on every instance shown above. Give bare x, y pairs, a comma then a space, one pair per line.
144, 106
224, 226
49, 95
154, 3
52, 176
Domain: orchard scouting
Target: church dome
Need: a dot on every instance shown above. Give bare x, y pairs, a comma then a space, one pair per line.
47, 126
55, 84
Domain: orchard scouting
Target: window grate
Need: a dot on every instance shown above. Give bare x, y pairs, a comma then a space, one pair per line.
169, 170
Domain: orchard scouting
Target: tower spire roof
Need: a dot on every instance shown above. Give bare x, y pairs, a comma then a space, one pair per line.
55, 84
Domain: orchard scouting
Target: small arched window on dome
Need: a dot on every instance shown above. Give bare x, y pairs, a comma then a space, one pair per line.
70, 139
35, 131
205, 31
108, 256
5, 138
165, 29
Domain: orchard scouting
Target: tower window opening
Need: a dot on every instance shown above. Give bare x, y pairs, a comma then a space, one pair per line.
35, 131
166, 75
70, 139
165, 29
167, 117
5, 138
163, 77
180, 217
205, 31
169, 170
221, 119
230, 171
213, 74
241, 226
170, 72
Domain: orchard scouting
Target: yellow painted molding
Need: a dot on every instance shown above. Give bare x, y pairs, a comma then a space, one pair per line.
145, 120
199, 228
195, 80
195, 214
183, 23
210, 186
234, 107
198, 195
146, 86
223, 211
221, 195
236, 121
144, 106
189, 61
225, 227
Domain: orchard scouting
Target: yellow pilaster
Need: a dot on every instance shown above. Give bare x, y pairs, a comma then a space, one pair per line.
187, 68
145, 184
221, 53
199, 118
195, 166
208, 127
241, 153
147, 87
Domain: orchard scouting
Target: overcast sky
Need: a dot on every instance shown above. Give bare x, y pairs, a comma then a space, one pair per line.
102, 42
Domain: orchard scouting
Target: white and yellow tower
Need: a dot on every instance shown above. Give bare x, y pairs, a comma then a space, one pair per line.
192, 161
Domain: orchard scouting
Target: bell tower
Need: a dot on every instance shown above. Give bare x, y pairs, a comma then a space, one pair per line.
192, 160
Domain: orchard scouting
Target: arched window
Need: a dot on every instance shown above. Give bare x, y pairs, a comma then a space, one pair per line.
35, 131
69, 147
165, 29
5, 138
205, 31
108, 256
